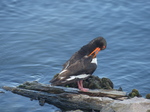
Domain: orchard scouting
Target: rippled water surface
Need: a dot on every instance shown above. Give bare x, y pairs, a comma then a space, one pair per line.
37, 37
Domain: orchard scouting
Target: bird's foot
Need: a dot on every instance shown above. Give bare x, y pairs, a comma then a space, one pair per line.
80, 86
84, 89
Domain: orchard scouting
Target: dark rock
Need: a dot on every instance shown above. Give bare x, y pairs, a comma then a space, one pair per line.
94, 82
120, 89
148, 96
75, 111
41, 101
107, 83
2, 92
134, 93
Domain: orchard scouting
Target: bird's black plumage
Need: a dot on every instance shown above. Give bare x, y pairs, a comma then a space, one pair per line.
87, 49
81, 65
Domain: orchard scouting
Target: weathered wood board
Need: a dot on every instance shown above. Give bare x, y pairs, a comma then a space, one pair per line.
67, 98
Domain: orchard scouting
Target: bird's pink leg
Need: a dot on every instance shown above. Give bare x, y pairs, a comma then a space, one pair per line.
80, 86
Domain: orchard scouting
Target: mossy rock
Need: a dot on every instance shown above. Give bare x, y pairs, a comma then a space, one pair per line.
2, 92
134, 93
107, 83
94, 82
120, 89
148, 96
27, 85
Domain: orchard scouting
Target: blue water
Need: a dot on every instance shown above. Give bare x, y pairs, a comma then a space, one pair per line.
37, 37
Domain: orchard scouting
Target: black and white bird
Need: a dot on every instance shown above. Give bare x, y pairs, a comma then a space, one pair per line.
81, 65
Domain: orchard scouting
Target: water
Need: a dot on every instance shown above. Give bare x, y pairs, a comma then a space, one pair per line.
36, 38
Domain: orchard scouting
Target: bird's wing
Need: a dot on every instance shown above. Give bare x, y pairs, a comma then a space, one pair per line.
79, 70
72, 60
80, 66
77, 56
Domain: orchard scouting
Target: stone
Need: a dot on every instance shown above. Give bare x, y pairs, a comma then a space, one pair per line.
74, 111
134, 93
94, 82
120, 89
2, 92
129, 105
148, 96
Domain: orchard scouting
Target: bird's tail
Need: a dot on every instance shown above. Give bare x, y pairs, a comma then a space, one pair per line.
58, 80
54, 81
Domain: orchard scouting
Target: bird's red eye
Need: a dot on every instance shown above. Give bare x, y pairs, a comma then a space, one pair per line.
104, 47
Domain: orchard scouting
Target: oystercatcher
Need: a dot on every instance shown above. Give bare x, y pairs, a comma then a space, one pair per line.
81, 65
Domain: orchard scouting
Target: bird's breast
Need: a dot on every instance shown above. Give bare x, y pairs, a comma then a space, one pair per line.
94, 60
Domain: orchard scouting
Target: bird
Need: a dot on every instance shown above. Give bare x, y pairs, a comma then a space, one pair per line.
81, 65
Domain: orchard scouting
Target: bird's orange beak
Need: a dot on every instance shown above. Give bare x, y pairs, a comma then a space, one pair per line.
95, 52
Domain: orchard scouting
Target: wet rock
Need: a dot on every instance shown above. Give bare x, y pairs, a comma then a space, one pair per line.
94, 82
75, 111
130, 105
41, 101
134, 93
120, 89
2, 92
107, 83
148, 96
27, 84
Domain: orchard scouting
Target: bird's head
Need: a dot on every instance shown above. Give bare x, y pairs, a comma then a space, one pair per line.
97, 45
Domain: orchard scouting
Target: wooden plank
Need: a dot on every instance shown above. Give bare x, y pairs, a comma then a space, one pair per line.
66, 98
